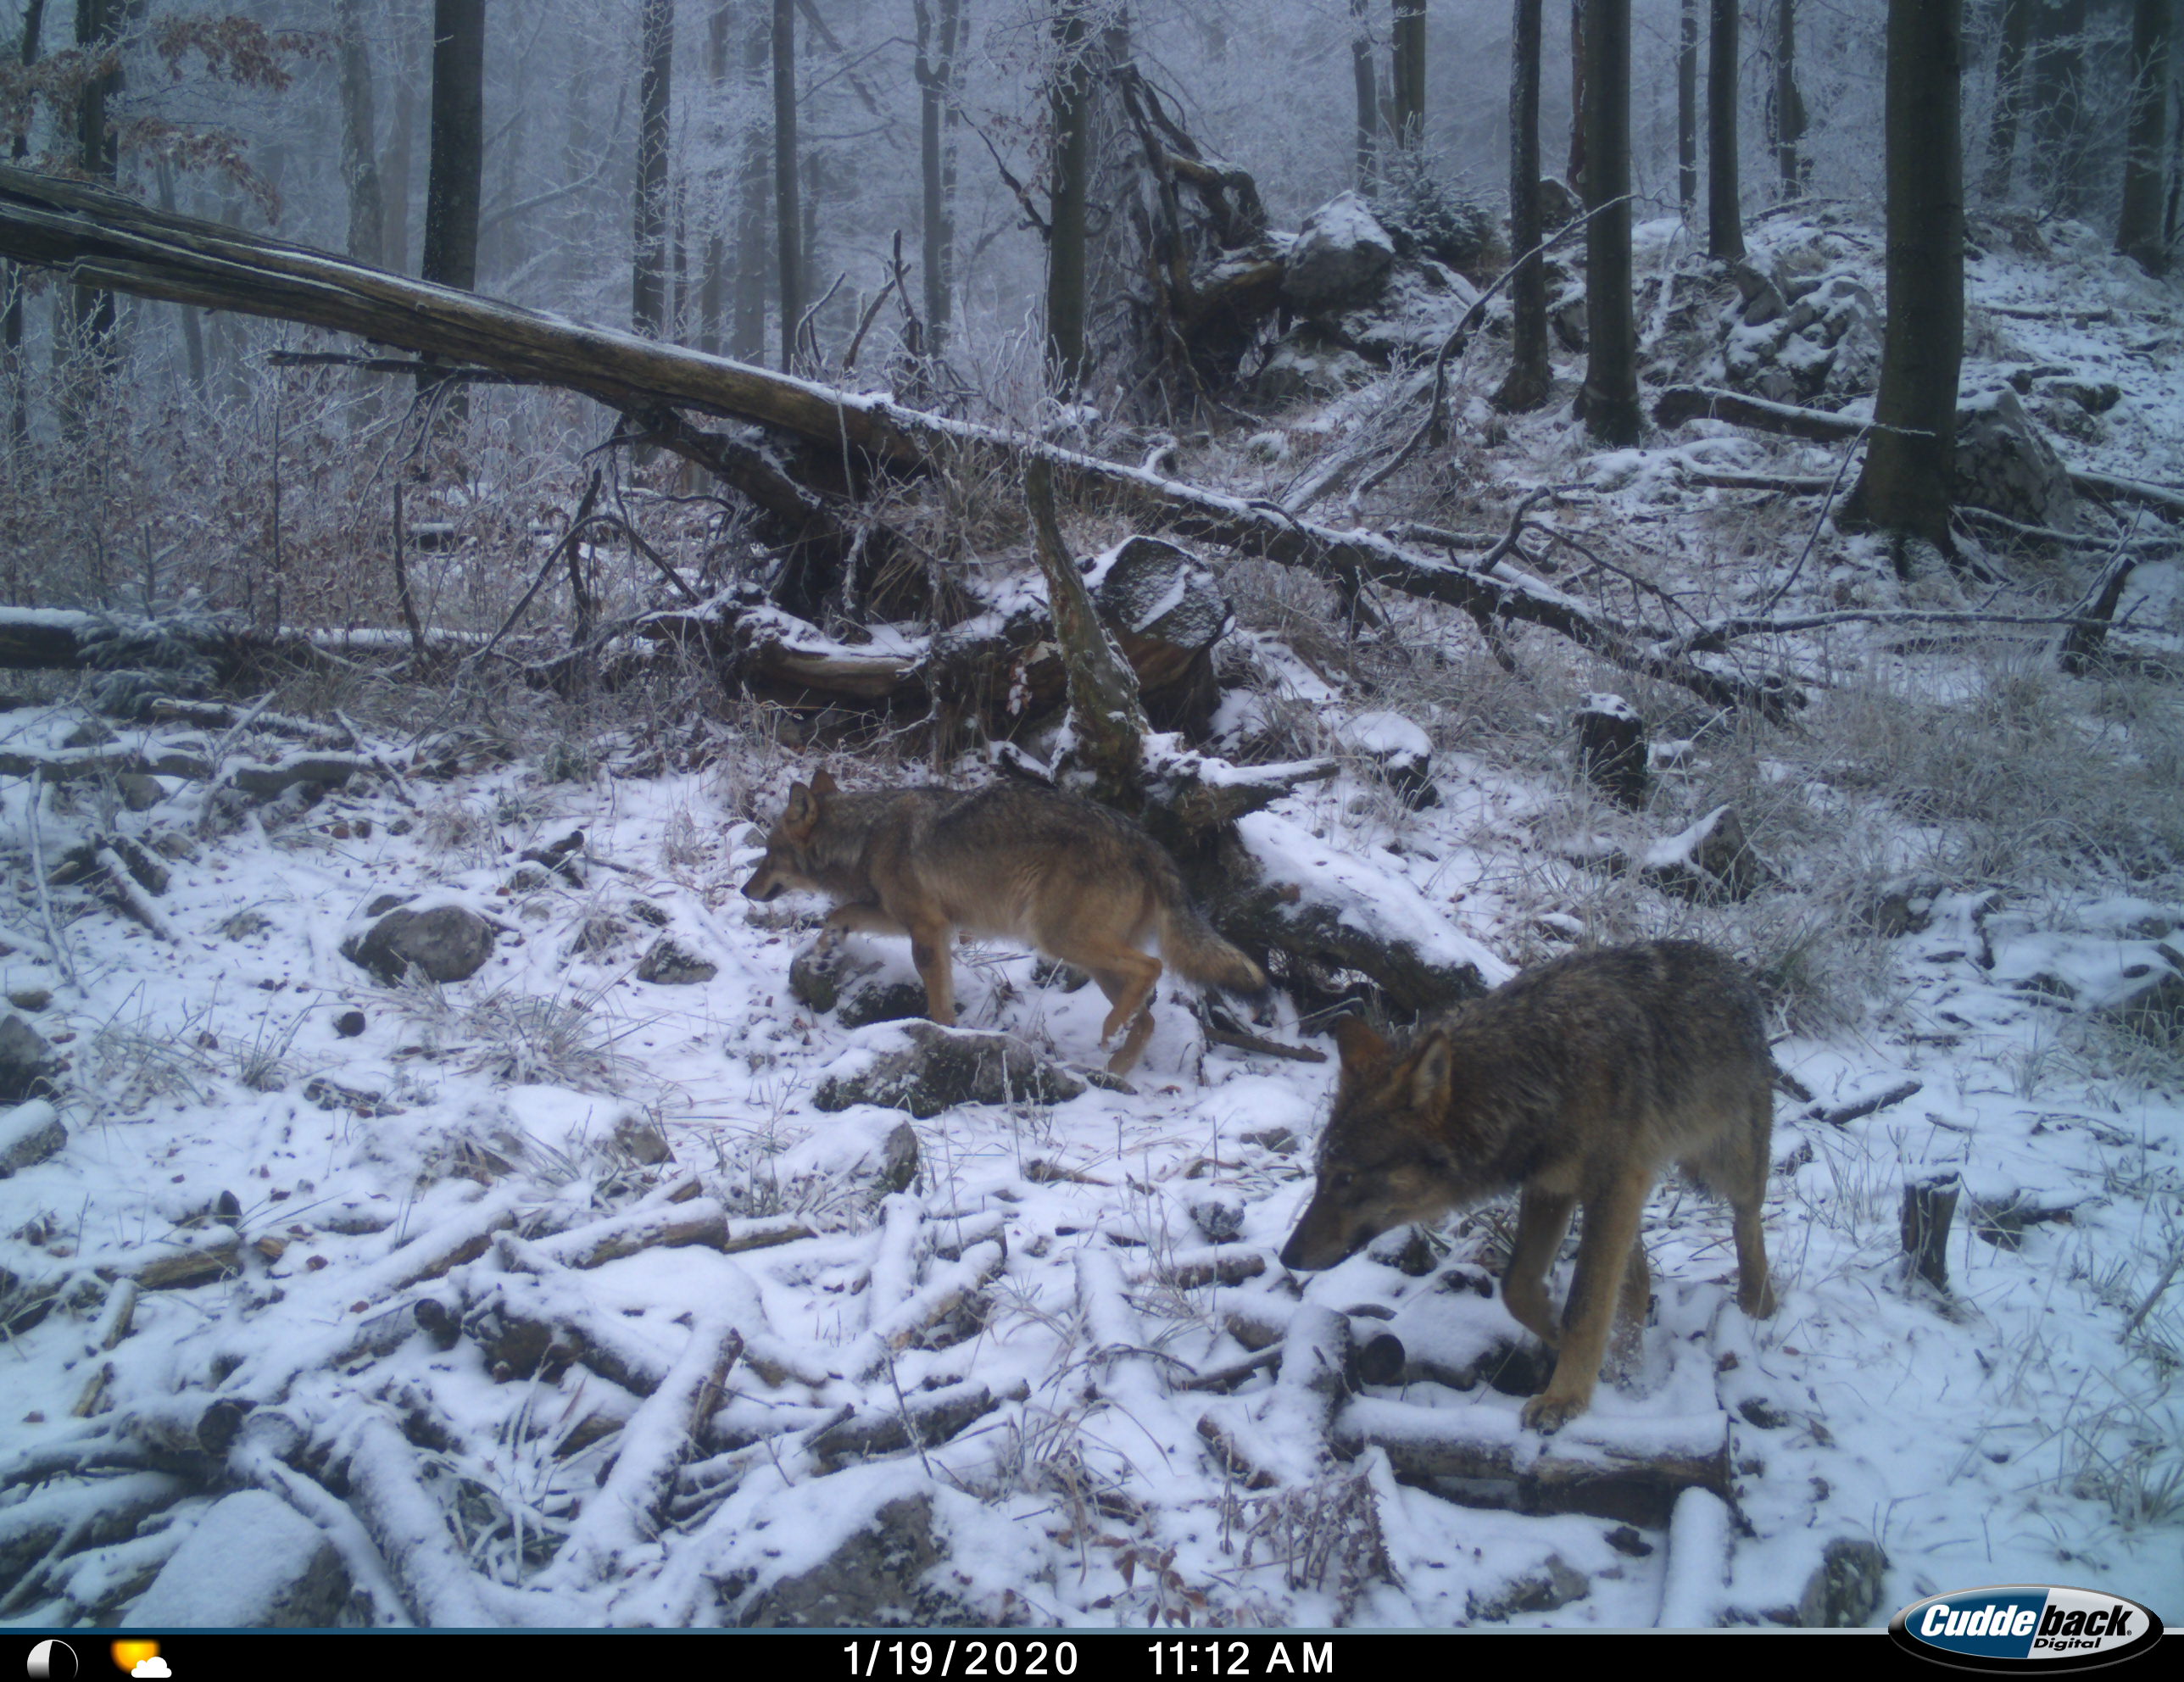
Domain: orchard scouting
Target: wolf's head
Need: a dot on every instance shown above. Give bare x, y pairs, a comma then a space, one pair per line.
788, 863
1383, 1161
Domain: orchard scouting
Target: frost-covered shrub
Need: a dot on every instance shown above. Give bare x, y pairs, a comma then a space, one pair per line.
1428, 215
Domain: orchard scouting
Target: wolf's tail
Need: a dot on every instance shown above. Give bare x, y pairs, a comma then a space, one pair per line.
1191, 944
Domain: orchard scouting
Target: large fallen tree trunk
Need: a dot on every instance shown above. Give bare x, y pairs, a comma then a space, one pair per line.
105, 241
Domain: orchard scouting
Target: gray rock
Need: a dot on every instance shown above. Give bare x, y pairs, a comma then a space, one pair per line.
139, 793
30, 998
27, 1063
666, 963
1821, 347
1551, 1586
1339, 254
1844, 1591
2005, 465
1307, 365
1155, 592
899, 1159
2154, 1012
1220, 1219
874, 1580
855, 985
444, 944
252, 1562
29, 1134
1401, 751
933, 1068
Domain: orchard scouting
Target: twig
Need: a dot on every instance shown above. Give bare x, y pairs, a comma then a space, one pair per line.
1866, 1106
2160, 1285
1827, 503
61, 958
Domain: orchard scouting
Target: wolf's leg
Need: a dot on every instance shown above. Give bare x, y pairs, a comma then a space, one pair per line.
856, 919
1122, 989
1126, 975
1603, 1253
1735, 1168
1755, 1291
1630, 1310
929, 942
1542, 1218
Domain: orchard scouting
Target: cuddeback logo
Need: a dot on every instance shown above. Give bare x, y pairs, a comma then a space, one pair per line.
2028, 1624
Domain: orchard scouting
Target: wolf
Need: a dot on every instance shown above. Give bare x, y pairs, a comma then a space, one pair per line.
1073, 879
1575, 1083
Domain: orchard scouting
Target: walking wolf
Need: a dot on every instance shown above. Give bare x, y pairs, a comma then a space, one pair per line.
1078, 882
1574, 1083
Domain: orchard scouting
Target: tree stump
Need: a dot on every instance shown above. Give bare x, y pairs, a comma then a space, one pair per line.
1611, 748
1930, 1205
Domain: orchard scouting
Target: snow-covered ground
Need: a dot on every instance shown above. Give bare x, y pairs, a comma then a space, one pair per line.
463, 1261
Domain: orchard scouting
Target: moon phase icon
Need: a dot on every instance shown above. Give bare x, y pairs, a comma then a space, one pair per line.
54, 1660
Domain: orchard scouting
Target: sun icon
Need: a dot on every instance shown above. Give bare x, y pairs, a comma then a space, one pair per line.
128, 1655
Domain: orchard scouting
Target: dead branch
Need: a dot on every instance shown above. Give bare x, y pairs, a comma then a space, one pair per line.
104, 240
933, 1418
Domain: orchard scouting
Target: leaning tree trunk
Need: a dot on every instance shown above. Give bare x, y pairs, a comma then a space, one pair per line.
1725, 211
2008, 97
1529, 371
1070, 105
1610, 401
1107, 721
1905, 486
648, 273
1687, 108
1789, 102
2138, 234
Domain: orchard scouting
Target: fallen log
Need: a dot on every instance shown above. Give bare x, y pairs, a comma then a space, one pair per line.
104, 240
1637, 1482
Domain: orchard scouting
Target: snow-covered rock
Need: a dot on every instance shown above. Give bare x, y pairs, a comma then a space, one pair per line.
1339, 254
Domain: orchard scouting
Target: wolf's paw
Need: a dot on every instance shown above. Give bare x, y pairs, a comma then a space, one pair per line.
1548, 1414
1759, 1304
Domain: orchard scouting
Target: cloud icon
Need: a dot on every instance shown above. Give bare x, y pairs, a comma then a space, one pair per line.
153, 1666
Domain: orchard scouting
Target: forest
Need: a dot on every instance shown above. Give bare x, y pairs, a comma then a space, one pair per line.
1475, 482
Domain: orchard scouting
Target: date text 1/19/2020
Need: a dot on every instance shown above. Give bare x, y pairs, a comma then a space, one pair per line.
980, 1658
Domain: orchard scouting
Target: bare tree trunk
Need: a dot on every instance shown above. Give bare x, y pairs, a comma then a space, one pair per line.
1610, 401
1529, 371
394, 184
457, 167
1365, 80
712, 286
360, 153
2059, 105
2008, 97
1070, 103
788, 217
192, 328
1725, 211
2138, 233
1407, 58
1789, 103
1905, 486
936, 71
647, 279
92, 314
756, 265
1578, 61
1687, 108
11, 278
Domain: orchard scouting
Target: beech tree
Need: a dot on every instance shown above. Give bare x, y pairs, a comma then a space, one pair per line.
11, 277
2008, 97
1725, 211
359, 155
1529, 373
1903, 487
1609, 400
1365, 80
2058, 104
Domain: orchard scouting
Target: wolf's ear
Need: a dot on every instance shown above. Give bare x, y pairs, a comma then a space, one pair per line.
1433, 1072
799, 817
823, 784
1359, 1045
